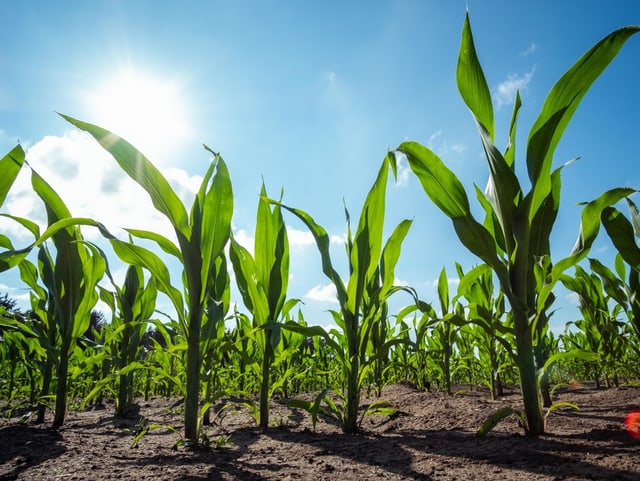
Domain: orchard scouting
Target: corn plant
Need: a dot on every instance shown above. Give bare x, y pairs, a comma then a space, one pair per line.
492, 332
413, 357
600, 326
362, 299
262, 281
201, 237
445, 332
514, 237
293, 362
70, 276
42, 314
20, 352
132, 306
624, 234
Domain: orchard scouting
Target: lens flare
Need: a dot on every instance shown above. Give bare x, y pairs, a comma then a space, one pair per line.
632, 423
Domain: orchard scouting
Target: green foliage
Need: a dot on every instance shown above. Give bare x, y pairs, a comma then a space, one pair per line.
201, 237
480, 335
514, 237
262, 281
363, 298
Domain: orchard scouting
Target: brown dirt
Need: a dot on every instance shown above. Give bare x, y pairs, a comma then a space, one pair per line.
435, 441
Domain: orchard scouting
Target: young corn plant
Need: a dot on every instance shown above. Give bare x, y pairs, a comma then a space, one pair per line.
70, 276
201, 237
445, 331
486, 311
362, 299
20, 354
624, 234
132, 306
599, 324
262, 281
514, 237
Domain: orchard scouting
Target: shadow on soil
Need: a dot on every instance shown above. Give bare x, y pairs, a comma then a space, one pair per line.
43, 443
411, 454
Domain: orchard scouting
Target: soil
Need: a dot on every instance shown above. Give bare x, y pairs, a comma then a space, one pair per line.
433, 439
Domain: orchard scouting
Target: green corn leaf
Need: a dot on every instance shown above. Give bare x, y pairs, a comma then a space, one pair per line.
590, 224
580, 354
493, 420
165, 244
140, 169
545, 216
620, 266
311, 331
391, 254
510, 152
472, 83
367, 243
448, 194
503, 190
93, 269
272, 253
26, 223
217, 211
140, 256
439, 183
443, 291
559, 405
322, 241
249, 285
635, 216
613, 286
491, 222
478, 240
564, 98
621, 232
10, 166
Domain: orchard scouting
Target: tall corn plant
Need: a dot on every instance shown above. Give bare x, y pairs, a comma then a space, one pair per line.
71, 275
362, 299
514, 237
201, 237
262, 281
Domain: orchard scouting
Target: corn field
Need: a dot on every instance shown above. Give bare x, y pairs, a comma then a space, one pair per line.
490, 333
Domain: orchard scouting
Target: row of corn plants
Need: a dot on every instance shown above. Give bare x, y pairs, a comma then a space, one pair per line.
478, 336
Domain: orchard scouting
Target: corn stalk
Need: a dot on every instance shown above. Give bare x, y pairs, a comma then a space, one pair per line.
262, 281
514, 237
201, 237
362, 299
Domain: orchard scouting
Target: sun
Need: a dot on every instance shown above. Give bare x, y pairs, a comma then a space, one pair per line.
144, 109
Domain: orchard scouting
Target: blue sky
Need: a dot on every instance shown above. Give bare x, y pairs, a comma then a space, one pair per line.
308, 96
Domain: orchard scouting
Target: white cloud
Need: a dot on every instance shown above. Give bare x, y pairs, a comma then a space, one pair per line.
505, 93
339, 239
443, 147
244, 239
433, 137
452, 281
404, 172
299, 238
529, 50
326, 293
573, 298
91, 184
